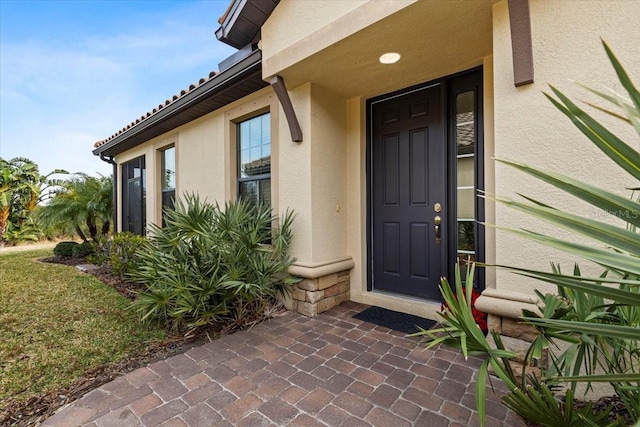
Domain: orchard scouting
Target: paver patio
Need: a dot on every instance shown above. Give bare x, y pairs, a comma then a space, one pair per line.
332, 370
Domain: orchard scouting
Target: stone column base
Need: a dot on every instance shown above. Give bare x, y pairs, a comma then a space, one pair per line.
505, 309
313, 296
324, 285
517, 337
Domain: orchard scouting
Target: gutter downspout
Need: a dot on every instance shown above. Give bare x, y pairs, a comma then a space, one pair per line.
115, 189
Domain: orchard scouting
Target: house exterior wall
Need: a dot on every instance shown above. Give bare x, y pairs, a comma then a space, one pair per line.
519, 123
327, 52
205, 155
566, 46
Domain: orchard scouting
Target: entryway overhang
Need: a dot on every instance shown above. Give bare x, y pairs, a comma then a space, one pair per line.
433, 38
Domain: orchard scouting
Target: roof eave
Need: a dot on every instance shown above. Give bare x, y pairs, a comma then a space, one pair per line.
243, 20
230, 78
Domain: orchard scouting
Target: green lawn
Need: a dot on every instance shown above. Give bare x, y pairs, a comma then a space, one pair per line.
56, 323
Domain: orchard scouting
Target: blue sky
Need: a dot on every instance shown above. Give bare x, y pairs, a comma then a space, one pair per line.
74, 72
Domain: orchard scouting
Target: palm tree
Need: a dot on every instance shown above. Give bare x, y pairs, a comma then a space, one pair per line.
82, 201
21, 189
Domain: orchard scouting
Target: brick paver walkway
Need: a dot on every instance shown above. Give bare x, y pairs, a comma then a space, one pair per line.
332, 370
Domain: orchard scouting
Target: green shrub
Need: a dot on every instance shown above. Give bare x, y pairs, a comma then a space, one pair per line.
64, 249
120, 252
82, 250
210, 264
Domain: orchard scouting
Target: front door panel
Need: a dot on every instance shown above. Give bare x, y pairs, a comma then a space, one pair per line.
408, 172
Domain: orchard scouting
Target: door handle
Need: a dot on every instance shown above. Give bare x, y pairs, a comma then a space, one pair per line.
437, 221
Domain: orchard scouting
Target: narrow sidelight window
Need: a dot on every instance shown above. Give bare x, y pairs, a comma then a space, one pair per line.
465, 128
254, 159
134, 196
168, 178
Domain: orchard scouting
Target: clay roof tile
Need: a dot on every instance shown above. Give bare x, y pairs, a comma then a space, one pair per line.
166, 103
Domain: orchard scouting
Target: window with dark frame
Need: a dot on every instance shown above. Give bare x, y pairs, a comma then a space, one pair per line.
254, 159
467, 177
167, 179
134, 196
466, 188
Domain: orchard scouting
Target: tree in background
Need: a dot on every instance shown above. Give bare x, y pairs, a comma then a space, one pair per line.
21, 189
84, 204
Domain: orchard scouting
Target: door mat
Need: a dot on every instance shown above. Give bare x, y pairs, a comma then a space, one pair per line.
395, 320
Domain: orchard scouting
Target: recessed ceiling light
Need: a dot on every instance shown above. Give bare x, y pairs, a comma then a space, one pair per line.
390, 58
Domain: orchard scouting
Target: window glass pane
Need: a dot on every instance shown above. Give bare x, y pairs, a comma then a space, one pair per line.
244, 130
266, 127
134, 196
254, 159
264, 193
465, 128
466, 172
258, 191
466, 205
255, 129
134, 191
168, 198
248, 190
254, 145
465, 177
466, 236
168, 170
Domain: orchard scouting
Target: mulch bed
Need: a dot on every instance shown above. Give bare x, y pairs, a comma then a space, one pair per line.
39, 408
618, 409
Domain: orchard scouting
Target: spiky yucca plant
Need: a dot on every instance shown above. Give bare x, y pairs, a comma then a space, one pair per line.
210, 264
598, 318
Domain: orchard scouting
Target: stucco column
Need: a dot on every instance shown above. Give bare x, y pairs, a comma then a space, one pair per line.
312, 181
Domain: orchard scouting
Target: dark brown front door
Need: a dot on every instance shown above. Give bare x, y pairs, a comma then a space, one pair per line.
408, 191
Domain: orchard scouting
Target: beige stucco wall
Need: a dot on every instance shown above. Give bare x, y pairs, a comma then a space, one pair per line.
295, 176
566, 46
205, 155
328, 178
298, 29
291, 22
313, 176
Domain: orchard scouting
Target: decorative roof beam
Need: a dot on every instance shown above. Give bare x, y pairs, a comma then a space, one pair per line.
281, 91
521, 44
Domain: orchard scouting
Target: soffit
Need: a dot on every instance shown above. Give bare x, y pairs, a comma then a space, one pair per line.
242, 21
435, 38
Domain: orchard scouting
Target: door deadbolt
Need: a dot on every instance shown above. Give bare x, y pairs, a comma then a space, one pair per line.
437, 207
